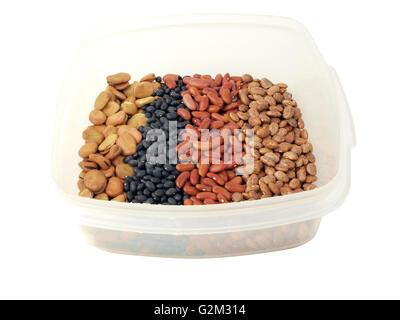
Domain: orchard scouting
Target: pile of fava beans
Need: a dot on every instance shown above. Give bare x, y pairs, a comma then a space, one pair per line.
194, 140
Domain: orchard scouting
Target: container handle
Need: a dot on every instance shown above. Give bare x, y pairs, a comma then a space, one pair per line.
351, 133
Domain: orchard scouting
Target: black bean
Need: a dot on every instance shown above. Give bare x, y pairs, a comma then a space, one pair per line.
159, 193
159, 113
158, 79
147, 192
150, 186
129, 196
141, 198
133, 186
168, 184
178, 197
150, 201
140, 186
172, 201
157, 172
169, 167
170, 192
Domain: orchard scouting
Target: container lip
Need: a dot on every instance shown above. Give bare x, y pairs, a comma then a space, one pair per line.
267, 206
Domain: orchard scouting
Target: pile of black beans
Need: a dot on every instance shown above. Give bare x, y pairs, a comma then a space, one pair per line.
155, 183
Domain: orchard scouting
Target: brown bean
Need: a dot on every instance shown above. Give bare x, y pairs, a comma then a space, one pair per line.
114, 187
97, 117
95, 181
127, 144
101, 161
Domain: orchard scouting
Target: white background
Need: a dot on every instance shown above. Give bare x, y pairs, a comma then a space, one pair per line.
355, 254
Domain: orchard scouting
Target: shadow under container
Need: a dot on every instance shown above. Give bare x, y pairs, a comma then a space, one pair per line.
277, 48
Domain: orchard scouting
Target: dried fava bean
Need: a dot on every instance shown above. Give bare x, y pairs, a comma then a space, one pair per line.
86, 193
92, 135
108, 142
101, 100
149, 77
143, 90
101, 161
81, 185
127, 144
118, 78
120, 198
87, 149
109, 130
124, 170
132, 131
121, 86
82, 175
101, 196
114, 152
87, 165
109, 172
114, 187
138, 120
111, 108
95, 181
117, 119
129, 107
142, 102
97, 117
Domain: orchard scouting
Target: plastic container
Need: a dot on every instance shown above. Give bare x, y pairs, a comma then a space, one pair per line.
278, 48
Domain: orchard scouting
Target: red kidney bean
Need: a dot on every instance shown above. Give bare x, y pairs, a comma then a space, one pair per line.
231, 174
204, 103
218, 79
206, 195
213, 108
189, 102
208, 182
216, 178
205, 124
224, 176
194, 177
184, 113
226, 95
195, 201
210, 201
236, 180
182, 178
203, 169
222, 191
170, 82
199, 83
181, 167
171, 75
234, 187
194, 91
216, 124
233, 105
187, 202
217, 167
215, 99
190, 190
201, 114
203, 187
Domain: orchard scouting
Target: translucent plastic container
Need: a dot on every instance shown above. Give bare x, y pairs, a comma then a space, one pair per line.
278, 48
